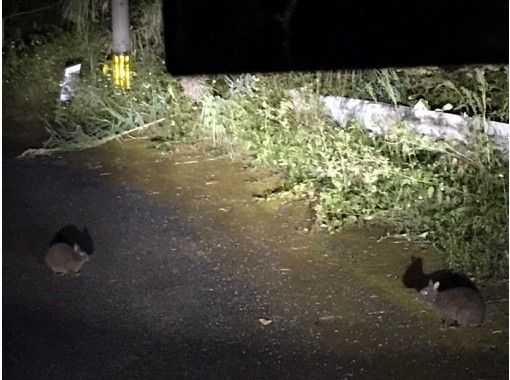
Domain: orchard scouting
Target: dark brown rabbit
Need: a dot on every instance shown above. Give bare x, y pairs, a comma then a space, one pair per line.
71, 234
415, 277
460, 305
64, 259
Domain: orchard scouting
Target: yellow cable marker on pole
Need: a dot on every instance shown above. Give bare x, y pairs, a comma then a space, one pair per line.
122, 71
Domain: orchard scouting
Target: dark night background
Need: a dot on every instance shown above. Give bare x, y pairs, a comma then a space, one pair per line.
240, 36
243, 36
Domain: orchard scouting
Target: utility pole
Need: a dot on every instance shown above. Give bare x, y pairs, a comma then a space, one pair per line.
121, 44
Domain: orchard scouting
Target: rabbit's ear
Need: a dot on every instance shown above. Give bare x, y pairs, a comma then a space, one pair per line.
436, 284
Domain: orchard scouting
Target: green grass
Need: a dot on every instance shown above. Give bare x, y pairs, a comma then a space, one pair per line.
455, 195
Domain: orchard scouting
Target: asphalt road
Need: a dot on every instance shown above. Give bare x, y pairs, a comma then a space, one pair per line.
166, 295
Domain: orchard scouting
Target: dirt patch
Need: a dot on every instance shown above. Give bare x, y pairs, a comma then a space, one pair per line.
226, 192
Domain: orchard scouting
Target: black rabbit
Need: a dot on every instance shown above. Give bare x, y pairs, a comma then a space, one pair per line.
71, 235
414, 277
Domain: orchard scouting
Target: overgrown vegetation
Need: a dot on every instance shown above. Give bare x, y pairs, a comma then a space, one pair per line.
455, 196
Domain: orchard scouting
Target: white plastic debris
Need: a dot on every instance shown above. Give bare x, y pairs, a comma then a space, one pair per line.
68, 83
